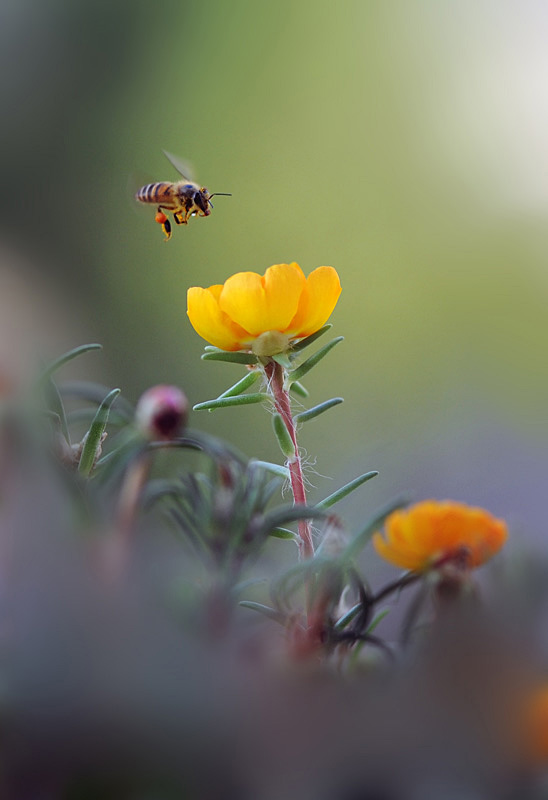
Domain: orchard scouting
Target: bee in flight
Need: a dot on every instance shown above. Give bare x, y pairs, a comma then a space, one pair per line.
184, 198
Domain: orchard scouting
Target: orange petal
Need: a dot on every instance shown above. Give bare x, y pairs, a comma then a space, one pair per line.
266, 303
210, 322
400, 557
317, 301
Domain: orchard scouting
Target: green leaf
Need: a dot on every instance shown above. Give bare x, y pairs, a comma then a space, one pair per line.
361, 539
243, 384
86, 415
235, 358
65, 358
282, 435
305, 416
298, 389
267, 611
378, 619
283, 533
276, 469
309, 339
281, 516
345, 490
94, 393
55, 401
311, 362
93, 438
347, 618
225, 402
159, 488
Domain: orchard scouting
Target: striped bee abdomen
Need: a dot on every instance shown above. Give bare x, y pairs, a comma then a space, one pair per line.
157, 193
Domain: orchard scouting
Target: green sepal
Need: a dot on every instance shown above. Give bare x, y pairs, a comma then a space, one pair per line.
283, 533
282, 435
362, 538
276, 469
97, 428
235, 358
267, 611
298, 389
305, 416
225, 402
345, 490
311, 362
309, 339
66, 357
282, 359
243, 384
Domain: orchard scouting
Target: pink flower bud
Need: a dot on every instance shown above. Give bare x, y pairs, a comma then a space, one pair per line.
162, 412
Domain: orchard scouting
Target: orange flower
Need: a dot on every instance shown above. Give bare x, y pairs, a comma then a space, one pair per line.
535, 726
264, 313
418, 537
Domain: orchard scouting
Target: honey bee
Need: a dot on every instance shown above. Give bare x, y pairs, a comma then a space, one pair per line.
184, 199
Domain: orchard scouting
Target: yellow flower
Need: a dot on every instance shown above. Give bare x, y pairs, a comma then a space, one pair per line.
431, 531
264, 313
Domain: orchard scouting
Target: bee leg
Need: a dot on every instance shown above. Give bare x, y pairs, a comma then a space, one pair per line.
162, 220
181, 218
166, 227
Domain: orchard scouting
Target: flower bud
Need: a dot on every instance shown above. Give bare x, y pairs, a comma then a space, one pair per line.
162, 412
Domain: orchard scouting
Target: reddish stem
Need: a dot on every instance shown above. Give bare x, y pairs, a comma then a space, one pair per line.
275, 375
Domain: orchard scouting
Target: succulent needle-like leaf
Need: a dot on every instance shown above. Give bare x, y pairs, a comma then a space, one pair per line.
311, 362
235, 358
243, 384
282, 435
309, 339
56, 405
276, 469
281, 516
95, 433
267, 611
298, 389
283, 533
305, 416
225, 402
345, 490
66, 357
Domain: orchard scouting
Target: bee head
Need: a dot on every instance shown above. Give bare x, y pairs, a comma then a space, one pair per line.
201, 199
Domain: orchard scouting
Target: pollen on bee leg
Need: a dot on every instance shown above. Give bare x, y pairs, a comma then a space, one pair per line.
162, 220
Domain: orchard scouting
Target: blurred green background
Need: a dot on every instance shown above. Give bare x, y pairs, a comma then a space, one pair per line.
404, 143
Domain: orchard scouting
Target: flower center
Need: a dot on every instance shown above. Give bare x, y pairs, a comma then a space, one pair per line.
270, 343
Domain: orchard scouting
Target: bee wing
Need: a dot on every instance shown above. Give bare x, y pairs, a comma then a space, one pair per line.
182, 167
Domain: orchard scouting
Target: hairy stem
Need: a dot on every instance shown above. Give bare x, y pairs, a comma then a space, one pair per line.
275, 375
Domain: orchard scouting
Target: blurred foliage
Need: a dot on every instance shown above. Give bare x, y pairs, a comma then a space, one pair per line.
402, 143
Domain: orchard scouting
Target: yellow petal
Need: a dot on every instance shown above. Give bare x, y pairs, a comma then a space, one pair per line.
210, 322
317, 302
260, 304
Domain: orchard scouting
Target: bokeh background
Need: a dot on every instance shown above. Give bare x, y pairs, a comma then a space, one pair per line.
404, 143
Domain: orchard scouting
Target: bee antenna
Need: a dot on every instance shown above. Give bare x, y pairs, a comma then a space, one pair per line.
221, 194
